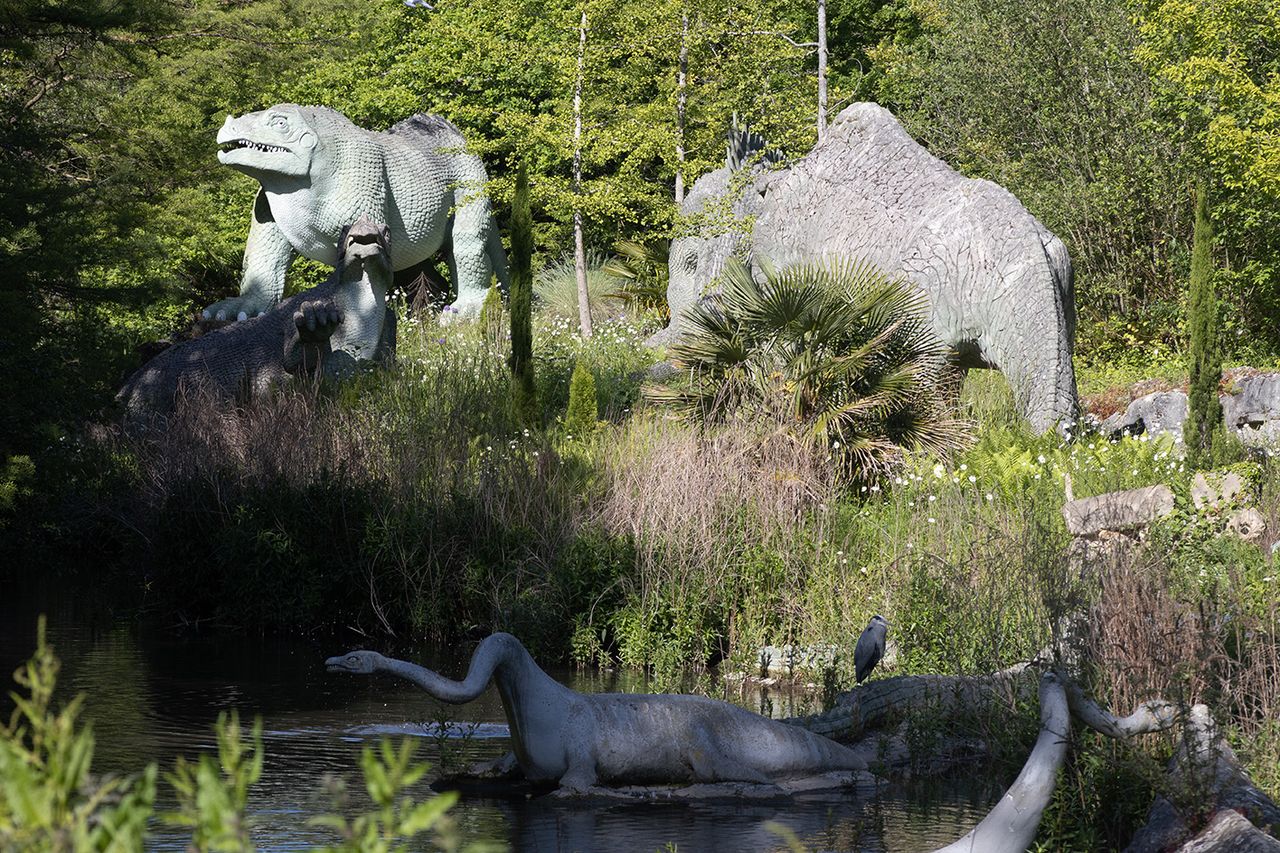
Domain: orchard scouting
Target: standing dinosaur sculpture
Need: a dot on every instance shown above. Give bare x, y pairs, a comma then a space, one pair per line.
580, 741
331, 328
319, 172
999, 284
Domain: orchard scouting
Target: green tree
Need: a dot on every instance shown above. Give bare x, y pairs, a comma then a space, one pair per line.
459, 61
524, 388
583, 412
1206, 357
65, 201
1216, 70
1044, 98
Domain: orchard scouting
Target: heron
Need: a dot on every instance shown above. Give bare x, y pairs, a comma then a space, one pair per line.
870, 647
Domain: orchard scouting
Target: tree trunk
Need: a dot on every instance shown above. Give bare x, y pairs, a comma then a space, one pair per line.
822, 69
579, 250
682, 77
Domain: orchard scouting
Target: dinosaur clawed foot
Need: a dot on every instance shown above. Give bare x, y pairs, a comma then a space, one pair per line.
235, 308
317, 319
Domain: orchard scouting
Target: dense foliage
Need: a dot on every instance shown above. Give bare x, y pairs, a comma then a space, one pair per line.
419, 500
117, 220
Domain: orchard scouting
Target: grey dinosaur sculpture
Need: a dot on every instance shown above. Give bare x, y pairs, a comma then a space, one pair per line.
319, 172
580, 741
331, 329
999, 284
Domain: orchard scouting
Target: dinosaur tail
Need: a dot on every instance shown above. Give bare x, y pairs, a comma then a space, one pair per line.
498, 258
1063, 275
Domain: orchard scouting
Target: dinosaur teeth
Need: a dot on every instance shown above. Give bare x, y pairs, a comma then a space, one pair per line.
257, 146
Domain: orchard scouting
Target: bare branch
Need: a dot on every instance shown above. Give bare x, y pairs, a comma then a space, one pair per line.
776, 34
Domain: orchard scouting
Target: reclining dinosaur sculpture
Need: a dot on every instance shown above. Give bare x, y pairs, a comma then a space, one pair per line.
999, 284
331, 328
319, 172
580, 741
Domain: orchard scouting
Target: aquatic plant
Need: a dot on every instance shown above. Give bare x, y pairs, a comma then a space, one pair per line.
51, 801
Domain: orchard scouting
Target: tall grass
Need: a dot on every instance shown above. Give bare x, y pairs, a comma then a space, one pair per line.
556, 289
408, 500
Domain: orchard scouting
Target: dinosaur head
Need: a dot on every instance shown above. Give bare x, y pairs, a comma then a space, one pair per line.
358, 662
718, 211
277, 141
715, 233
365, 246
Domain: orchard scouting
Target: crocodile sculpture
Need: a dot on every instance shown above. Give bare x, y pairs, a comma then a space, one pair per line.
999, 284
580, 741
319, 172
330, 329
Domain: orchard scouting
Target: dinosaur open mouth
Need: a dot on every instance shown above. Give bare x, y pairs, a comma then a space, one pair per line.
248, 143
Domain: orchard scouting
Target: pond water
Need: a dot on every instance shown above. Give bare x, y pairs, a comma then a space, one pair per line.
153, 694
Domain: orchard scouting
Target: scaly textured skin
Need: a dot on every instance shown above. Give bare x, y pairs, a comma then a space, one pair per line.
319, 173
333, 327
999, 284
580, 741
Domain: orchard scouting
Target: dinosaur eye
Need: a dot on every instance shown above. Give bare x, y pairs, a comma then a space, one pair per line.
278, 121
352, 659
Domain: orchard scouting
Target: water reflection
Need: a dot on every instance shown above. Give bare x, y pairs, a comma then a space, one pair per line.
152, 695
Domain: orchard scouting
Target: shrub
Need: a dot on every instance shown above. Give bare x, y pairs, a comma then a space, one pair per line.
48, 800
580, 419
842, 354
15, 484
213, 794
642, 273
556, 287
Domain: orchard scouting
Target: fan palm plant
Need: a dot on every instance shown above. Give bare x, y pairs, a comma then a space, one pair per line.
841, 354
642, 271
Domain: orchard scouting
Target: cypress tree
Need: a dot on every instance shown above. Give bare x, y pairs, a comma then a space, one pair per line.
524, 392
580, 419
1202, 322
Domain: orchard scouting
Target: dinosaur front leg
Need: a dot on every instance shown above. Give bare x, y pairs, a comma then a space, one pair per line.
1029, 340
364, 303
471, 262
267, 255
316, 321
